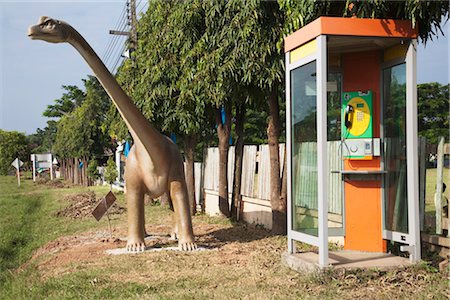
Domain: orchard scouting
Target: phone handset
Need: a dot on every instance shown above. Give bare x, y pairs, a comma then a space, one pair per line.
348, 110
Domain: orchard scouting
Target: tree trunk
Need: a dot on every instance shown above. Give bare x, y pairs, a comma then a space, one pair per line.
69, 170
223, 132
66, 171
85, 168
238, 150
273, 132
72, 172
189, 146
62, 169
283, 196
75, 168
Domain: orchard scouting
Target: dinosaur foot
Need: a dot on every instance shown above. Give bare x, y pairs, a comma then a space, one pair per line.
187, 246
136, 247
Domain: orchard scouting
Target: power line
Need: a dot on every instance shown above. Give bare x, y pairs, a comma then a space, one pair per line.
114, 40
119, 23
131, 20
119, 59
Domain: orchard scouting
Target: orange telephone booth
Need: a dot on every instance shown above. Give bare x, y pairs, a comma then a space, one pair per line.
352, 135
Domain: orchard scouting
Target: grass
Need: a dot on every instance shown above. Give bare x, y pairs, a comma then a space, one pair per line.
244, 265
28, 221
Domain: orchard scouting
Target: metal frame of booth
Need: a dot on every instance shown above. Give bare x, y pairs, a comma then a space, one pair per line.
319, 32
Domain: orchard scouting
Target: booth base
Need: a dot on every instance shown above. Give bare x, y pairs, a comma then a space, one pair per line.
346, 259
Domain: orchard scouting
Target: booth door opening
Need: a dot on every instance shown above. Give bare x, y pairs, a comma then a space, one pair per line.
395, 181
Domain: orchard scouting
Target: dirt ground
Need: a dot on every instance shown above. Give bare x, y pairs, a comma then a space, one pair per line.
81, 206
240, 262
242, 251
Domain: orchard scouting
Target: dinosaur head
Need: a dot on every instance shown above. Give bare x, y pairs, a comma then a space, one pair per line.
50, 30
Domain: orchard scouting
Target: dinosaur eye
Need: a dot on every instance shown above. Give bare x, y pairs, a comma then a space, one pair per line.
49, 24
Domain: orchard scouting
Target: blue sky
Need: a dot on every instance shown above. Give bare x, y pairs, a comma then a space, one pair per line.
32, 72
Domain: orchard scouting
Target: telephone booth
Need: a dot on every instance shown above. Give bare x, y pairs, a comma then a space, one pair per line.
351, 125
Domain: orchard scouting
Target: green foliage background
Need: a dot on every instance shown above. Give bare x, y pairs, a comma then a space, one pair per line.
13, 145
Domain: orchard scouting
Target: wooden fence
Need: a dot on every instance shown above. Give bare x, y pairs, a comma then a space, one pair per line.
256, 173
255, 185
255, 181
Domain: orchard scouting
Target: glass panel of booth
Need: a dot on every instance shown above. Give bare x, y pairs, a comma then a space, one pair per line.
335, 184
395, 181
304, 149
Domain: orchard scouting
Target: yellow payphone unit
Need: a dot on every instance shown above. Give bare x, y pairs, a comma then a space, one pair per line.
357, 134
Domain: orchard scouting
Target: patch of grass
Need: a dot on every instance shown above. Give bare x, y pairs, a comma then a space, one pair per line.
90, 284
28, 221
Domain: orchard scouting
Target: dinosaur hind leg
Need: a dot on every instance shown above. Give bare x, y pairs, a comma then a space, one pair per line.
135, 212
178, 194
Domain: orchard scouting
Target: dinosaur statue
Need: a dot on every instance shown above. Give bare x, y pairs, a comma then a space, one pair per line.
154, 164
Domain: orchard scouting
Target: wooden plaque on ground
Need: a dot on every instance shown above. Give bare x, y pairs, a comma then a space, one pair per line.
103, 206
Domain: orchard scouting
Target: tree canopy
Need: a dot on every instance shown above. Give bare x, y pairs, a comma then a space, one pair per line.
13, 145
433, 111
79, 133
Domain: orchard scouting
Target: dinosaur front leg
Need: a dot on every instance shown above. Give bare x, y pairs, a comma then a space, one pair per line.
178, 193
174, 233
135, 211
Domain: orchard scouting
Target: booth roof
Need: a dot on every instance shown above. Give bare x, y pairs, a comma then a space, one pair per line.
350, 27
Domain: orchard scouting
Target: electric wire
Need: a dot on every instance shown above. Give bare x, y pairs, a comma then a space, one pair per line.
115, 40
116, 55
114, 48
140, 8
119, 59
119, 23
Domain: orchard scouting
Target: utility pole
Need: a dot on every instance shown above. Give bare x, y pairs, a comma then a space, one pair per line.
132, 22
133, 35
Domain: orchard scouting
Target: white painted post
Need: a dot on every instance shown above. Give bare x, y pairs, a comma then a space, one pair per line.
422, 180
18, 171
51, 165
291, 244
412, 153
33, 162
322, 158
439, 176
119, 150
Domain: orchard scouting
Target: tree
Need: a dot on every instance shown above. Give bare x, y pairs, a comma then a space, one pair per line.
92, 171
80, 136
69, 101
159, 80
42, 141
13, 145
111, 172
433, 111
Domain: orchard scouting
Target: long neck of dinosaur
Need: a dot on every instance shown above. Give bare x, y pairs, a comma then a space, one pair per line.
140, 128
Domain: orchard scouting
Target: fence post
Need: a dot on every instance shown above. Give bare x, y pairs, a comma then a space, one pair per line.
438, 195
422, 179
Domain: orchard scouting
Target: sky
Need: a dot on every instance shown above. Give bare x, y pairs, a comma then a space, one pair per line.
32, 72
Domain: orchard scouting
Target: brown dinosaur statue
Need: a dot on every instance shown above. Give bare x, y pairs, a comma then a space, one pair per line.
154, 164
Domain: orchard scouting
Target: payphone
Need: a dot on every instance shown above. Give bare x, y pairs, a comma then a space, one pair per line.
357, 134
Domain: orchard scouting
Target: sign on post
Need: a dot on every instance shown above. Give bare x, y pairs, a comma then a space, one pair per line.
102, 208
17, 163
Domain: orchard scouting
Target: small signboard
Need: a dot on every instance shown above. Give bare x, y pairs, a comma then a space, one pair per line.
103, 206
17, 163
